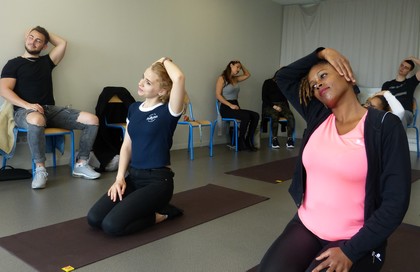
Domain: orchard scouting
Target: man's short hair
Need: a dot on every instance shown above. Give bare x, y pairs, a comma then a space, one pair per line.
411, 63
43, 31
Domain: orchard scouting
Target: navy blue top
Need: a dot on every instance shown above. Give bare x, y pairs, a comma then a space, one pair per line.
151, 131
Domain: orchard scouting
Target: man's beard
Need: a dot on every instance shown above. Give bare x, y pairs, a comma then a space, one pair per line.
33, 52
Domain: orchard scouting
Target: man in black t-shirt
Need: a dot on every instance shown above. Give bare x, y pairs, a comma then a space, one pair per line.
26, 82
403, 88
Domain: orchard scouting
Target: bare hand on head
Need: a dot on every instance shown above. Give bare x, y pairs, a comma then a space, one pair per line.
334, 260
339, 62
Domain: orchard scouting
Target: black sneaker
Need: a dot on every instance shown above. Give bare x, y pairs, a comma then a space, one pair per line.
275, 143
290, 143
171, 211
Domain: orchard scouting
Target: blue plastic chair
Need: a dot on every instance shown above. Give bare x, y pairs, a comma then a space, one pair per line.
414, 125
192, 123
236, 124
51, 132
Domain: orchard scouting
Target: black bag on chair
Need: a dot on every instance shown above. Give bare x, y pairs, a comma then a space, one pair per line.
9, 173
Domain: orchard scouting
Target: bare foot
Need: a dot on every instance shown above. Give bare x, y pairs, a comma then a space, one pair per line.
160, 217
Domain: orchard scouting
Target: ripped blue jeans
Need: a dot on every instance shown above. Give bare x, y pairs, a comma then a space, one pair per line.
59, 117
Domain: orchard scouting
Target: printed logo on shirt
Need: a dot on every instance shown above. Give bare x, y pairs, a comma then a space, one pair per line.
359, 142
152, 117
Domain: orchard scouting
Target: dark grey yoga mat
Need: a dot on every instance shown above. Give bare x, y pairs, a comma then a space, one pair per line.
272, 172
281, 170
74, 243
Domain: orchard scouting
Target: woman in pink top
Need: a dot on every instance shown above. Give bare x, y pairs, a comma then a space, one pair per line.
352, 179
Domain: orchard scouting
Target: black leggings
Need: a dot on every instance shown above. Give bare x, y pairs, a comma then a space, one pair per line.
147, 192
249, 119
296, 248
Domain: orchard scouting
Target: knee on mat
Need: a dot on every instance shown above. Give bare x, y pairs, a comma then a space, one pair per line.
111, 228
93, 220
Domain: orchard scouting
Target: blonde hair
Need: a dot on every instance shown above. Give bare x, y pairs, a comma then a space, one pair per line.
164, 80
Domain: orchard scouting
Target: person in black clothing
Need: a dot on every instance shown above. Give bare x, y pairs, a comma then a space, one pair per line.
26, 82
352, 179
275, 105
403, 88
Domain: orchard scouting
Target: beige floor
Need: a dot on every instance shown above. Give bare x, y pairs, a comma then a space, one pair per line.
235, 242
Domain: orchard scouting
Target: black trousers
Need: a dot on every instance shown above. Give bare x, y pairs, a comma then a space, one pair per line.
249, 119
296, 248
147, 192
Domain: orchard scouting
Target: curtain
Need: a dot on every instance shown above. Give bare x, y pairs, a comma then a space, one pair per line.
375, 35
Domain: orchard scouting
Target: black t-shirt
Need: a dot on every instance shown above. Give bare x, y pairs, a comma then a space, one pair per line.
403, 91
33, 78
272, 93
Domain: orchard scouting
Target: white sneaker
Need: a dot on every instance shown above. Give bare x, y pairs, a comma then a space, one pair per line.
40, 179
84, 170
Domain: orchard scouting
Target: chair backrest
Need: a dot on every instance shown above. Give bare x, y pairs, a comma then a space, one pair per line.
115, 99
190, 112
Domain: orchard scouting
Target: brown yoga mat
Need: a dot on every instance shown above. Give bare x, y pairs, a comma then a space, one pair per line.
402, 251
74, 243
282, 170
272, 172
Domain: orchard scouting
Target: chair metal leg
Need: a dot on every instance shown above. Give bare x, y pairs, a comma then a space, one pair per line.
54, 157
211, 140
417, 141
72, 150
191, 142
236, 133
270, 132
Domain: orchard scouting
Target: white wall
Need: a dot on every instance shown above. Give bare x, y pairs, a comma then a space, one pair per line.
112, 42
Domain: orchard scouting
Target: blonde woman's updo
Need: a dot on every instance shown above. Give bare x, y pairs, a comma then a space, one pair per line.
164, 80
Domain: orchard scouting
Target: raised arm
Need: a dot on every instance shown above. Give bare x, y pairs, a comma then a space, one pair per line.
394, 104
176, 98
417, 62
245, 74
60, 45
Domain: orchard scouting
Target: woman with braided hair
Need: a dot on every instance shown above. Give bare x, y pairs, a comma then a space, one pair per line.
352, 179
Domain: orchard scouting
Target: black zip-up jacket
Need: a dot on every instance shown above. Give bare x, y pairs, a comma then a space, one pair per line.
388, 180
108, 140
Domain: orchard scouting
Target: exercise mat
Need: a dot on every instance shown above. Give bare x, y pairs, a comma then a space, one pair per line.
272, 172
282, 170
74, 243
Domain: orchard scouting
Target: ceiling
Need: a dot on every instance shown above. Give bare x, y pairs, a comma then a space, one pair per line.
297, 2
302, 2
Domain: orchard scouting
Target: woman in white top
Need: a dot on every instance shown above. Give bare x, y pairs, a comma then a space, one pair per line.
386, 101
